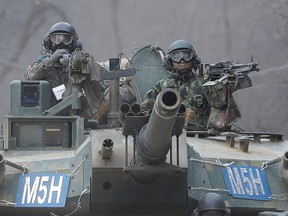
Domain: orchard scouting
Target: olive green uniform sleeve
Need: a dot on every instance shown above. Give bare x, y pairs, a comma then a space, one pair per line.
150, 96
38, 69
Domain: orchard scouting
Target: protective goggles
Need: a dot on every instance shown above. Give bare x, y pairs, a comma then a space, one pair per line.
65, 38
178, 55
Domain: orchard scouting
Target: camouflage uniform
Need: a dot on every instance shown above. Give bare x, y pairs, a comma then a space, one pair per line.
94, 104
55, 75
62, 41
224, 110
126, 89
181, 63
191, 94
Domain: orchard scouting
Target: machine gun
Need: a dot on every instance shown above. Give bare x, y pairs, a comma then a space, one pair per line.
82, 71
225, 77
86, 74
228, 67
236, 73
79, 64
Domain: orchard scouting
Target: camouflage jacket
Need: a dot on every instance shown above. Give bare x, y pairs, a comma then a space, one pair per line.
94, 104
55, 75
191, 95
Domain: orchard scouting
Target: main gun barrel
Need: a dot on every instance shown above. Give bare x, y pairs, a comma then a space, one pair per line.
155, 137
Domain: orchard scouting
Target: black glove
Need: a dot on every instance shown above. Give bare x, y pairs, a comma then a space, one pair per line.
58, 54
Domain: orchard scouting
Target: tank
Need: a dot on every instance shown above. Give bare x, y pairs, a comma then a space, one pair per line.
246, 168
137, 162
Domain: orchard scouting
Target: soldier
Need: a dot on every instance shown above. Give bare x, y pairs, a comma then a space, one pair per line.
181, 63
211, 204
126, 90
61, 40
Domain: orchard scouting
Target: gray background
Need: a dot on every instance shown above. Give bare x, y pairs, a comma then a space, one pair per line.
219, 30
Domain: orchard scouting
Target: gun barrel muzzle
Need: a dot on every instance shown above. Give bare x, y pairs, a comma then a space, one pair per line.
156, 136
106, 149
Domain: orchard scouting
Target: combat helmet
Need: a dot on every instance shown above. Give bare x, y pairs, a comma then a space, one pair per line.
211, 201
181, 45
62, 27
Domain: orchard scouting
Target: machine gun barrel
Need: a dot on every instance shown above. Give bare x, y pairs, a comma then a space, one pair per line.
77, 60
155, 137
229, 67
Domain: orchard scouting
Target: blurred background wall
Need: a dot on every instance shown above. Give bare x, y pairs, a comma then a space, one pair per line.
219, 30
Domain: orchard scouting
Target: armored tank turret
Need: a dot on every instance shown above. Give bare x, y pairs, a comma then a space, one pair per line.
126, 181
53, 161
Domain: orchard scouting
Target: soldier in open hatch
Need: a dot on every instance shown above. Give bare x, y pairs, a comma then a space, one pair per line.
211, 204
62, 40
181, 63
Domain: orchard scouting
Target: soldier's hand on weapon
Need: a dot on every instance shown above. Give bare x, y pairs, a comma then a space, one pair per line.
189, 115
55, 58
58, 54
